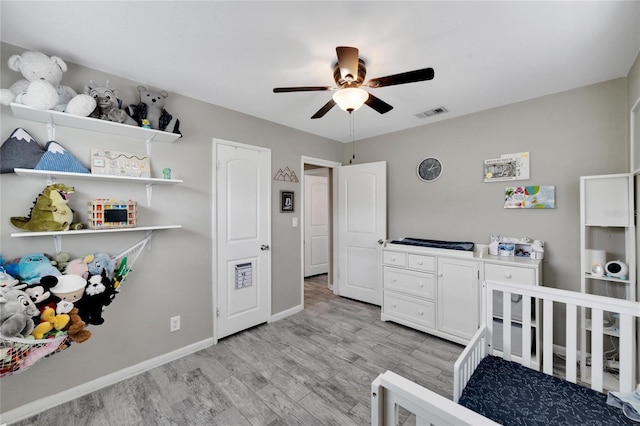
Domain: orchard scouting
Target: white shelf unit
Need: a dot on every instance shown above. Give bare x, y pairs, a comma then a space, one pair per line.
56, 118
52, 176
607, 222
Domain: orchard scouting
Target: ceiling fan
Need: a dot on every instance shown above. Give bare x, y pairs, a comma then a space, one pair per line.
349, 73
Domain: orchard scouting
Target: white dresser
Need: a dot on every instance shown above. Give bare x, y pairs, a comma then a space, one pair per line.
438, 291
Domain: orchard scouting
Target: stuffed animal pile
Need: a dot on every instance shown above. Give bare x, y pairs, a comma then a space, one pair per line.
41, 88
42, 298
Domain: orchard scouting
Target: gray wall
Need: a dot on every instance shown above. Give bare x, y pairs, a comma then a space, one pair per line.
174, 278
569, 134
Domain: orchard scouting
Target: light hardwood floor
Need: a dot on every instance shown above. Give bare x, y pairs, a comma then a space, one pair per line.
312, 368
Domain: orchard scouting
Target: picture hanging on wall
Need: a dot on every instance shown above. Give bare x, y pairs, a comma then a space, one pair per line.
286, 201
507, 167
530, 197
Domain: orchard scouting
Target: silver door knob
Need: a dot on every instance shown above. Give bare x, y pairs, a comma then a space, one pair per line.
381, 241
264, 247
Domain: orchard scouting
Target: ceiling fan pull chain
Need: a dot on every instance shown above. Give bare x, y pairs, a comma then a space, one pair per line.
353, 141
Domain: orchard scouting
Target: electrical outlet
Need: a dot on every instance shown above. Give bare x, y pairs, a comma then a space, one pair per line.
174, 324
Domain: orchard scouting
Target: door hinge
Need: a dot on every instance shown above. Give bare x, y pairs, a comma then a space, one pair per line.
217, 312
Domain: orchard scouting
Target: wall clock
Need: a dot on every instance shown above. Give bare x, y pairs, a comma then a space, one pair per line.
429, 169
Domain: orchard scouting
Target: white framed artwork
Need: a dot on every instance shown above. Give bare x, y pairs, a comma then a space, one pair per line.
507, 167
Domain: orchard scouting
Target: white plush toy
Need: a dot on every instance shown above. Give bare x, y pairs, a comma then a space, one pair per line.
41, 89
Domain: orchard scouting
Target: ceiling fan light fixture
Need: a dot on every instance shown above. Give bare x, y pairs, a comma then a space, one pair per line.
350, 99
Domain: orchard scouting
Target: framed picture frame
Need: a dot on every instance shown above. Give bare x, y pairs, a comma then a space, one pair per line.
286, 201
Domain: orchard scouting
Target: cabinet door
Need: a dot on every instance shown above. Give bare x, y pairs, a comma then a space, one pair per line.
458, 297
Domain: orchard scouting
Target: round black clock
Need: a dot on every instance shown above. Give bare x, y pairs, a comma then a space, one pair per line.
429, 169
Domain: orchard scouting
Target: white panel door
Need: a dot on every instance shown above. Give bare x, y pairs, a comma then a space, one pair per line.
458, 297
243, 237
316, 222
362, 223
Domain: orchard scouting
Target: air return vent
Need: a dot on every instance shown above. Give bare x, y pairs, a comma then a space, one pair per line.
432, 112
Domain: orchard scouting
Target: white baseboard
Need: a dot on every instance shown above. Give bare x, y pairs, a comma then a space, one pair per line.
35, 407
287, 313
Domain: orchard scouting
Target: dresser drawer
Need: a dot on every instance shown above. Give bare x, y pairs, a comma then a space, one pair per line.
415, 283
395, 258
410, 309
510, 274
422, 263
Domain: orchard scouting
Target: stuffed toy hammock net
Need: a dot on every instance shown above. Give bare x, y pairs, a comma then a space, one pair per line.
18, 354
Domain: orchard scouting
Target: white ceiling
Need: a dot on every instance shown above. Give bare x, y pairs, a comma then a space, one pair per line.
484, 53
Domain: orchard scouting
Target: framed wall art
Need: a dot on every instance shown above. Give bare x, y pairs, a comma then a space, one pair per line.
286, 201
530, 197
507, 167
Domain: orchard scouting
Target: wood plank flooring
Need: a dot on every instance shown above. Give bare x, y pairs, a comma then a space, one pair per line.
312, 368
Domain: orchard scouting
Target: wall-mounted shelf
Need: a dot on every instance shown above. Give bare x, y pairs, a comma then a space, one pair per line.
57, 235
56, 118
52, 176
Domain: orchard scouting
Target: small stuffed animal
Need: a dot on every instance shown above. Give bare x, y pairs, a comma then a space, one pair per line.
41, 89
101, 261
79, 267
97, 295
151, 108
108, 104
16, 312
31, 267
50, 211
76, 327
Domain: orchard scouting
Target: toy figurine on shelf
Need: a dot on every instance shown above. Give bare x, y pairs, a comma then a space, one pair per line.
166, 173
146, 124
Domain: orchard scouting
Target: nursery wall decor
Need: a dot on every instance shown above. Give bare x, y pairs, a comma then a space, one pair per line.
286, 201
530, 197
286, 175
507, 167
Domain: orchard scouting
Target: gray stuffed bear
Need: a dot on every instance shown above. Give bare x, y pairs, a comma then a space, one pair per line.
16, 313
151, 108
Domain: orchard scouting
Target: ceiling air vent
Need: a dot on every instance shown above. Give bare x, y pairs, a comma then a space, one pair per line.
432, 112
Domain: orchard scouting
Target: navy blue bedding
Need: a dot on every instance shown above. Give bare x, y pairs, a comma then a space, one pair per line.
511, 394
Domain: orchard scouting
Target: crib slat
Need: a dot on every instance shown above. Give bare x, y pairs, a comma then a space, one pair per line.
572, 342
596, 349
627, 353
547, 339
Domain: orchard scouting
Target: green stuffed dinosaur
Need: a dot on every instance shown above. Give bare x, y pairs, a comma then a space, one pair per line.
50, 211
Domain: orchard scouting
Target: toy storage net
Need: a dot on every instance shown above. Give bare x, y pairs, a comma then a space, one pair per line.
18, 354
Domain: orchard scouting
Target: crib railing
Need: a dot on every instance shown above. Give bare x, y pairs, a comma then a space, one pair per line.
628, 312
390, 391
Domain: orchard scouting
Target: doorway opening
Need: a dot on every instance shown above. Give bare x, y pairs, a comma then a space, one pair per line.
318, 216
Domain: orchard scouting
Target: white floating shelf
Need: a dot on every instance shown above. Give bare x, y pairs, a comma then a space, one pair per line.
605, 278
56, 118
609, 331
52, 175
91, 231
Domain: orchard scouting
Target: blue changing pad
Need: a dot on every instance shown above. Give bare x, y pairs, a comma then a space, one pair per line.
511, 394
450, 245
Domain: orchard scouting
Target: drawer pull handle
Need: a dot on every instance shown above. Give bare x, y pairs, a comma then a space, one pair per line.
421, 285
507, 275
394, 305
421, 263
394, 279
421, 312
393, 258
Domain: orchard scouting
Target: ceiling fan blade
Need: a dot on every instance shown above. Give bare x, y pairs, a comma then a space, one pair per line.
302, 89
378, 104
402, 78
348, 62
325, 109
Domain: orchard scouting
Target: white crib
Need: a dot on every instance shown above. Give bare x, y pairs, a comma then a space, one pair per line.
390, 391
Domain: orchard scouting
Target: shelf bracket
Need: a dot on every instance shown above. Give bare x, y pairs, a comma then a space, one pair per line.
149, 192
148, 143
57, 243
51, 130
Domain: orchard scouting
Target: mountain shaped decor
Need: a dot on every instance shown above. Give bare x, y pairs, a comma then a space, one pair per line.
57, 159
286, 175
20, 151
